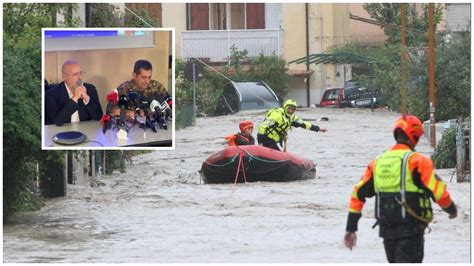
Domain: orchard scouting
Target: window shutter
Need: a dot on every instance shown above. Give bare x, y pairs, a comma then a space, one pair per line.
255, 16
199, 16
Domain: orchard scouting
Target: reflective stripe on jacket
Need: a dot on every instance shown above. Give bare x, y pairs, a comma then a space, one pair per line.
421, 170
276, 124
394, 186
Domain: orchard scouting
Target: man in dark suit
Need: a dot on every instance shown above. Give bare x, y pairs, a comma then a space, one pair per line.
72, 100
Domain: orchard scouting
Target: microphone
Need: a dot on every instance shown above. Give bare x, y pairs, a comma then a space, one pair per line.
169, 103
166, 105
112, 98
157, 107
79, 83
143, 104
105, 123
133, 98
122, 102
169, 100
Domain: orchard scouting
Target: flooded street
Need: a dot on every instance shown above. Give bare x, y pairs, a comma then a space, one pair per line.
158, 211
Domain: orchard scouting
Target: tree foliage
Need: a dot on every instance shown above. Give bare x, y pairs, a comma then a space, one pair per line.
445, 152
270, 69
390, 13
452, 76
22, 24
141, 19
184, 90
102, 15
22, 99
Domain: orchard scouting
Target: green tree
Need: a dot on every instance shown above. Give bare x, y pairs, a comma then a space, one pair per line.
445, 152
272, 70
140, 19
390, 13
386, 67
103, 15
452, 82
22, 90
234, 69
184, 90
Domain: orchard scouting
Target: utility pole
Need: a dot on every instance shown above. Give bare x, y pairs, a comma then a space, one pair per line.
431, 73
194, 89
403, 65
308, 86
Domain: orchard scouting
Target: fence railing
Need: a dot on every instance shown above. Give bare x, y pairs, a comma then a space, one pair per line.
185, 116
215, 45
463, 141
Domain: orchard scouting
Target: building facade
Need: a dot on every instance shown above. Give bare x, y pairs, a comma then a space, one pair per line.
290, 30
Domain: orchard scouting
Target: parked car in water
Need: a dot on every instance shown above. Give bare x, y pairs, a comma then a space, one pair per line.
330, 97
354, 95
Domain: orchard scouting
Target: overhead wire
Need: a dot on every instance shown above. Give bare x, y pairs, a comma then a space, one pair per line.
199, 60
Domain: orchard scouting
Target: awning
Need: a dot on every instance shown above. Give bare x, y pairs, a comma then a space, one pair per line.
299, 73
338, 58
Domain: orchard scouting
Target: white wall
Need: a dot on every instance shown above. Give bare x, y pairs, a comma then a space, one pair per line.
174, 16
273, 17
458, 16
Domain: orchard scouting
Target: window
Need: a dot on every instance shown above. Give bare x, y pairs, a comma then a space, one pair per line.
237, 16
218, 16
223, 16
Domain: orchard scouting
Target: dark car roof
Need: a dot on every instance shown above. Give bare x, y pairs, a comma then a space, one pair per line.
333, 88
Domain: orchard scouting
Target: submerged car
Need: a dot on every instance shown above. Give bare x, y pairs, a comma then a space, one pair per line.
330, 97
354, 95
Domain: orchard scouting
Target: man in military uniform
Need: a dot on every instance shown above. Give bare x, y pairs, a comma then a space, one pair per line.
142, 83
142, 87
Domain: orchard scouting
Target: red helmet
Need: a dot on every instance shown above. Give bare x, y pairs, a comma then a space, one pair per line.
245, 124
411, 126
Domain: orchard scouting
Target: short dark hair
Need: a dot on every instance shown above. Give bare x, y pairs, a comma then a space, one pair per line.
401, 137
141, 64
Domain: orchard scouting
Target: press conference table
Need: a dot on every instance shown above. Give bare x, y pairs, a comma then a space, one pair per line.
93, 130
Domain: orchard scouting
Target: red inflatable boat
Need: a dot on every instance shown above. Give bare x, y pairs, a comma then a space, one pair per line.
255, 163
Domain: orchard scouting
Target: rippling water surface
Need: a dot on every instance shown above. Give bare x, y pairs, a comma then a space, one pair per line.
158, 211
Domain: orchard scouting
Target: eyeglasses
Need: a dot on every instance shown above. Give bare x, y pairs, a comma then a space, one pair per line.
79, 74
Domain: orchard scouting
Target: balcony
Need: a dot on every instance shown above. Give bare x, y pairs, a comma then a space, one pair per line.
215, 45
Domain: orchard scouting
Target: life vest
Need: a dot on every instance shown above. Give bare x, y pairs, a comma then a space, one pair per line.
231, 139
276, 124
398, 199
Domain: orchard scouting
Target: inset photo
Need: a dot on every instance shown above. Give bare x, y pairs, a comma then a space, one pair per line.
108, 88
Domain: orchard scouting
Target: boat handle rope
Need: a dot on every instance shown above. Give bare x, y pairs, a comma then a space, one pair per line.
241, 163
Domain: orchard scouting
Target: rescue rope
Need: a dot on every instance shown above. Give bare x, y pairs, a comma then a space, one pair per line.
413, 214
241, 163
225, 100
224, 164
242, 153
252, 157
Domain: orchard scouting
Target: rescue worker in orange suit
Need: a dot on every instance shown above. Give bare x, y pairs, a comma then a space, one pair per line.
403, 182
244, 137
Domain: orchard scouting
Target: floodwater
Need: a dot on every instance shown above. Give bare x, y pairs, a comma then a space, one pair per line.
158, 211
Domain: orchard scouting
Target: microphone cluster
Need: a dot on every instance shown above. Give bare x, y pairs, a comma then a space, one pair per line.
148, 111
